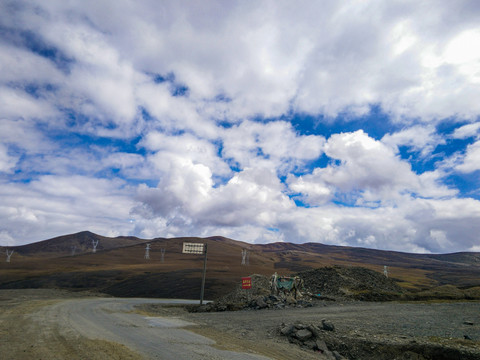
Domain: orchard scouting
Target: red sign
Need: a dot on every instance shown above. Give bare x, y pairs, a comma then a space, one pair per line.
246, 282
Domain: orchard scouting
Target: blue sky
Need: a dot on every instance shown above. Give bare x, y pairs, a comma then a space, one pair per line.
342, 122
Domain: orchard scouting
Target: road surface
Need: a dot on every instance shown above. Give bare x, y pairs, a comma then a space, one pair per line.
113, 320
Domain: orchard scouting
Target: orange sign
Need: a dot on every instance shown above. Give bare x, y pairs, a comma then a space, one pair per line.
246, 282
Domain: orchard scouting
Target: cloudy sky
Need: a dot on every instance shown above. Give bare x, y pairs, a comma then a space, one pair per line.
342, 122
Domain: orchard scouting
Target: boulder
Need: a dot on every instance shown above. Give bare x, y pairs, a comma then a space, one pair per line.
327, 325
287, 330
303, 334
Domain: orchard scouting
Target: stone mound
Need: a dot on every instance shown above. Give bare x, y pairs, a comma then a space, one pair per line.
352, 282
328, 283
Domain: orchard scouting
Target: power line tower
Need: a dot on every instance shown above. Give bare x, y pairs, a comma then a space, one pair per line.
74, 247
245, 257
162, 255
147, 252
385, 271
9, 255
94, 243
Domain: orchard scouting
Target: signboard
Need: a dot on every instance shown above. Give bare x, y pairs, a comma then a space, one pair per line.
246, 282
198, 249
193, 248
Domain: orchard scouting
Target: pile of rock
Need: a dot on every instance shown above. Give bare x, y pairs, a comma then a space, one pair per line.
276, 302
351, 282
312, 337
256, 298
256, 303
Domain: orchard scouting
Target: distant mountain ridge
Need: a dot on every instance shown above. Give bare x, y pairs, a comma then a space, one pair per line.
119, 266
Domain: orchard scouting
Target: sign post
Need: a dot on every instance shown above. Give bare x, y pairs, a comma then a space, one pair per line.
198, 249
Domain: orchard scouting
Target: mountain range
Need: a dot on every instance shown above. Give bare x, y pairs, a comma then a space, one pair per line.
119, 265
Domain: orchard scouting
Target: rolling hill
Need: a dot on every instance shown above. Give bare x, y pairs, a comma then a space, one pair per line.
118, 267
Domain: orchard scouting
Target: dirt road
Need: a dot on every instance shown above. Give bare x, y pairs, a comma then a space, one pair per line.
101, 328
45, 324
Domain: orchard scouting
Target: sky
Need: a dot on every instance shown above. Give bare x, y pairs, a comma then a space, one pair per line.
353, 123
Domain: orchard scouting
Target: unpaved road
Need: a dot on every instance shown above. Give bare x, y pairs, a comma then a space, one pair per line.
46, 324
103, 328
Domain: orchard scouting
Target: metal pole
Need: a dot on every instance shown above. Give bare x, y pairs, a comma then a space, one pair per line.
203, 276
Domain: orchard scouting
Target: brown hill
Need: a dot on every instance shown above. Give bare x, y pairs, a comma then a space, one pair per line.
119, 268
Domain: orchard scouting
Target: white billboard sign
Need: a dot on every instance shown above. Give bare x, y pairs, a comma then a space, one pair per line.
193, 248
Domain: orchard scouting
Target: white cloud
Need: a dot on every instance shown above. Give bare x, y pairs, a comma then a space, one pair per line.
16, 104
187, 199
365, 164
466, 131
73, 70
56, 205
7, 162
274, 145
471, 160
423, 139
368, 171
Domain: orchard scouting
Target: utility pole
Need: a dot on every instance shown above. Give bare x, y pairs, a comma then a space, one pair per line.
385, 271
162, 255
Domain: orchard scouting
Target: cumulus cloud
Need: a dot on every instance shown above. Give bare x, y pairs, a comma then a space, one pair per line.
177, 118
274, 144
54, 205
362, 164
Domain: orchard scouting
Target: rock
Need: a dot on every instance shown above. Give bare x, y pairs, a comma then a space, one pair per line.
337, 355
321, 345
327, 325
299, 326
468, 322
303, 334
287, 330
260, 302
291, 300
314, 330
311, 344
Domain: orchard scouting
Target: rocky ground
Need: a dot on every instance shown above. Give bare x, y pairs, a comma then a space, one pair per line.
349, 329
329, 322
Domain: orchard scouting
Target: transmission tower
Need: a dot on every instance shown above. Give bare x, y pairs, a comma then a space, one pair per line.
147, 252
385, 271
9, 255
245, 257
94, 243
74, 247
162, 255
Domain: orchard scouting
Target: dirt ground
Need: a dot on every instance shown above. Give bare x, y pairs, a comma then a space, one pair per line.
362, 330
22, 339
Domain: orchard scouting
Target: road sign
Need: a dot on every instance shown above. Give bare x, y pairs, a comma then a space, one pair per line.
199, 249
193, 248
246, 282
